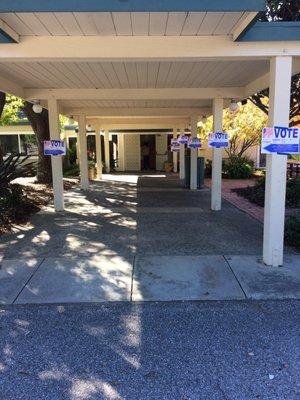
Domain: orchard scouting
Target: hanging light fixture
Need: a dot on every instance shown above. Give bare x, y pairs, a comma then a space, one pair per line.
37, 108
71, 120
89, 128
233, 106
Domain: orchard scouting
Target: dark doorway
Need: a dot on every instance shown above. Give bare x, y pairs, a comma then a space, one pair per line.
148, 158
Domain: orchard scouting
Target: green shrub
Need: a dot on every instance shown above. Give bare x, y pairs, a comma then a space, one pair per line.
256, 194
238, 168
72, 170
293, 192
292, 231
12, 197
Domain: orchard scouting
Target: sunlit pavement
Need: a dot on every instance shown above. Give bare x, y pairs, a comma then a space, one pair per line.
119, 246
140, 237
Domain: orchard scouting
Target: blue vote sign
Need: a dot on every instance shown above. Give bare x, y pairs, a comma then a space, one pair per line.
183, 139
280, 140
194, 143
54, 148
218, 140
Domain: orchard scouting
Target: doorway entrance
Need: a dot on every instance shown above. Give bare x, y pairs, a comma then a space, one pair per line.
148, 152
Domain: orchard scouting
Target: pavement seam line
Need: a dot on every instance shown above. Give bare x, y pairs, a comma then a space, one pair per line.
132, 276
228, 263
29, 279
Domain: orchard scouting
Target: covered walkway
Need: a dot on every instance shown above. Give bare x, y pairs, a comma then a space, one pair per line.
140, 237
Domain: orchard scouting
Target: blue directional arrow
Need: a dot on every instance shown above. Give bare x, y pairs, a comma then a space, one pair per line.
53, 152
282, 148
219, 144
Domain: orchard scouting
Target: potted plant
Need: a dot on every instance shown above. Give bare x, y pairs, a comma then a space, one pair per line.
92, 169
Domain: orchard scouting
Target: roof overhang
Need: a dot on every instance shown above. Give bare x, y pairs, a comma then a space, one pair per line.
271, 32
130, 5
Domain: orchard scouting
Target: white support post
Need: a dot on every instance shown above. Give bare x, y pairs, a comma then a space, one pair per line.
56, 161
279, 110
19, 144
106, 151
98, 155
194, 154
182, 158
175, 155
83, 161
216, 184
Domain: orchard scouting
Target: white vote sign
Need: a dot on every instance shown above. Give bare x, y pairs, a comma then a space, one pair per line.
280, 140
218, 140
54, 148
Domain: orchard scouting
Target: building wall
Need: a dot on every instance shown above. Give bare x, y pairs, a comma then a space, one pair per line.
132, 152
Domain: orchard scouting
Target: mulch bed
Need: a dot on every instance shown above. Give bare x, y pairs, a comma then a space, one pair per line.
35, 197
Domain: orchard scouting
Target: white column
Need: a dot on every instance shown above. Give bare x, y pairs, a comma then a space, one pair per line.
216, 183
121, 155
181, 158
279, 110
175, 155
106, 151
194, 154
19, 144
56, 161
83, 161
98, 154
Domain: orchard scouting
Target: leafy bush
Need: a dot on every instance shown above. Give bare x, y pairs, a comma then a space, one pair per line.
256, 194
72, 170
292, 231
293, 192
238, 168
14, 167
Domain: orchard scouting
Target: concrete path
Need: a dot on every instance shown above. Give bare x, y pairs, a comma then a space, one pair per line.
241, 350
140, 238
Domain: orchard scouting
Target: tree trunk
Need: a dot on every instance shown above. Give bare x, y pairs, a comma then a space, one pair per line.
40, 126
2, 104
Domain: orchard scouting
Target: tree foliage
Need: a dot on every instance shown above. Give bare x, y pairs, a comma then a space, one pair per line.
244, 128
282, 10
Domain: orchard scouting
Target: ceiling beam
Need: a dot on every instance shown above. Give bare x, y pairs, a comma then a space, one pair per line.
135, 94
129, 5
138, 113
141, 48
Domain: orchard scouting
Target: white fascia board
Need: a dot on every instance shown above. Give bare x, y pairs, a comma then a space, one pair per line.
12, 34
243, 25
141, 48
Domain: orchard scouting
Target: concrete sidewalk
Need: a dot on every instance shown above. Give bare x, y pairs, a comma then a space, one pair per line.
146, 278
140, 238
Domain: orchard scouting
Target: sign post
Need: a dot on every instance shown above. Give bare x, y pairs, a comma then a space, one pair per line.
54, 148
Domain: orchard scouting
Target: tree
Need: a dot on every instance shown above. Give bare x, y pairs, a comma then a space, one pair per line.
9, 109
2, 104
40, 126
282, 10
244, 128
